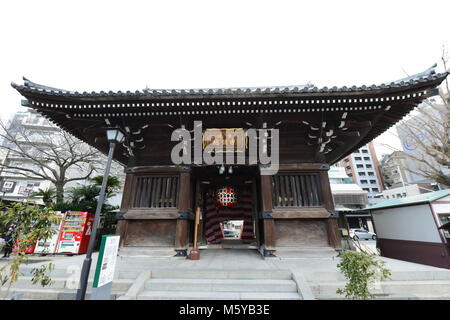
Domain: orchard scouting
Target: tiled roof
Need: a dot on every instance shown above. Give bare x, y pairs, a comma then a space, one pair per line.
423, 77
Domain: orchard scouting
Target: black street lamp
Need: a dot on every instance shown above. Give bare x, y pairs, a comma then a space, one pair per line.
114, 135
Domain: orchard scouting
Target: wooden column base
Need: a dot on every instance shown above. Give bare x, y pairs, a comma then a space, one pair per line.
269, 234
333, 233
194, 254
181, 234
121, 227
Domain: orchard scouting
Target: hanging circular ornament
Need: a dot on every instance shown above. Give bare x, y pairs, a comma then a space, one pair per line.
227, 196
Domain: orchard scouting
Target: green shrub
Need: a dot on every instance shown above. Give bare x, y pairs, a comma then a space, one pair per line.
361, 271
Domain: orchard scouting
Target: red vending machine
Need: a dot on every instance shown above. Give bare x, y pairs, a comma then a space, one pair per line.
75, 233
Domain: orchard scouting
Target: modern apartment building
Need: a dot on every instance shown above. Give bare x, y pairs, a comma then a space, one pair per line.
363, 167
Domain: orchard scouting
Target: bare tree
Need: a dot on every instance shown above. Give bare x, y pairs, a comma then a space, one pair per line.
425, 135
52, 155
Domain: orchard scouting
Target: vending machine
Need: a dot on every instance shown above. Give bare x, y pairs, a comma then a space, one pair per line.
49, 246
75, 233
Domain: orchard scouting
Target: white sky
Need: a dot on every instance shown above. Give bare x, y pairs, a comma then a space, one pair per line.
128, 45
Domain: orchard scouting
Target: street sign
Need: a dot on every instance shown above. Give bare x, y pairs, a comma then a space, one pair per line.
106, 265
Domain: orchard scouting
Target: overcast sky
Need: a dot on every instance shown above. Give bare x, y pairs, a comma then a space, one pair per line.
130, 45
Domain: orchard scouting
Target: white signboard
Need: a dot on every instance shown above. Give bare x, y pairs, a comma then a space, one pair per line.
106, 263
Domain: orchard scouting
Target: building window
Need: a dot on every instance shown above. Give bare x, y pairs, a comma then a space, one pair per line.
370, 173
357, 158
359, 166
363, 181
375, 190
367, 158
368, 166
364, 151
366, 189
362, 173
373, 181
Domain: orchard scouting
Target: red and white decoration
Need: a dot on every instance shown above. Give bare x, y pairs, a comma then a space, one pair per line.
227, 197
221, 208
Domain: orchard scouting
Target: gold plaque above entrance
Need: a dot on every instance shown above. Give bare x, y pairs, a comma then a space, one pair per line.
225, 140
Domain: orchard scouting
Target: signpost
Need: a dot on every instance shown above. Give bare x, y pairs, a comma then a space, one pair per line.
106, 265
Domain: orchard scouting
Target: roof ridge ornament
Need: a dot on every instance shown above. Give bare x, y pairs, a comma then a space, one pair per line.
428, 72
29, 83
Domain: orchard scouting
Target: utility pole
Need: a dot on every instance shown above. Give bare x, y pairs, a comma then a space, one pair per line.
403, 182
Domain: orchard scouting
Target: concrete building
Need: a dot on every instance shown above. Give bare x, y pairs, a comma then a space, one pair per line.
349, 200
346, 193
362, 165
400, 182
392, 169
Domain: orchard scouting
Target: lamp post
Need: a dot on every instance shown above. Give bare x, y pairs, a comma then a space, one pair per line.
114, 135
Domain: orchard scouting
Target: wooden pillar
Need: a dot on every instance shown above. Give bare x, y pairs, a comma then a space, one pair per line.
184, 210
332, 223
122, 225
266, 215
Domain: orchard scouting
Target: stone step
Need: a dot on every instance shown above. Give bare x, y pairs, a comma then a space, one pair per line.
31, 294
57, 272
416, 275
221, 285
377, 297
49, 294
64, 283
193, 295
221, 274
432, 287
287, 253
414, 288
146, 252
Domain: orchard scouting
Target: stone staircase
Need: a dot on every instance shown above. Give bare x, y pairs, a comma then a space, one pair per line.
219, 285
306, 275
404, 285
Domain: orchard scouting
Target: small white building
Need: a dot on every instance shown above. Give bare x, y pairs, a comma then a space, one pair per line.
408, 228
407, 190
